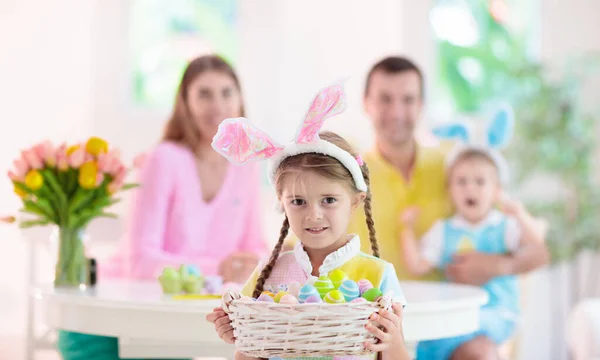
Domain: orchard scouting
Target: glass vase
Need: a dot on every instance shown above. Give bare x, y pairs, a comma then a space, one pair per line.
72, 265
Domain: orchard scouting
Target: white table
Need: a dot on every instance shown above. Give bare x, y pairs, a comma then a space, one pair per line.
151, 325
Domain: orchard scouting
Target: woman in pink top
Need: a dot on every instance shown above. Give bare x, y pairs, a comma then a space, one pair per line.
193, 207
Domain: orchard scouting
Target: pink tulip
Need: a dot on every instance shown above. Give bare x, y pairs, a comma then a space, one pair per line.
99, 178
115, 186
77, 158
89, 157
32, 159
103, 162
61, 157
48, 153
14, 177
21, 168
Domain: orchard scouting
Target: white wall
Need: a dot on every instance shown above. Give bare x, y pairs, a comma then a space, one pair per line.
45, 92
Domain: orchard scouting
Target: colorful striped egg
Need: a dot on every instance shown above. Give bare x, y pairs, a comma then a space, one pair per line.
324, 285
364, 285
350, 290
307, 291
335, 297
337, 277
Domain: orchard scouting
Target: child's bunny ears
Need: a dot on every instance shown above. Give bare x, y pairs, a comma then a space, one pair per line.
489, 139
497, 135
239, 141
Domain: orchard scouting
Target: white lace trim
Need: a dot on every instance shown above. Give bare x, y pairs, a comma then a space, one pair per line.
332, 261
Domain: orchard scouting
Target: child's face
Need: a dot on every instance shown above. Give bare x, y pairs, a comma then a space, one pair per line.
474, 188
318, 209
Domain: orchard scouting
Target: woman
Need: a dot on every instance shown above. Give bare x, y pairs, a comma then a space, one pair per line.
192, 206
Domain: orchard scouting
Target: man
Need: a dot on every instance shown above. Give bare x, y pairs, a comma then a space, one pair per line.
405, 175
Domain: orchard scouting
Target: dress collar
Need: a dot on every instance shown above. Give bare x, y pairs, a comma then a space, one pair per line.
493, 218
332, 261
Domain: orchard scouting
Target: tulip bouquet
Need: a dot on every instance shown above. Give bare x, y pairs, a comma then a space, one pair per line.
68, 186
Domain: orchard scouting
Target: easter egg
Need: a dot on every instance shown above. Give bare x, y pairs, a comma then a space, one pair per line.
170, 273
334, 297
288, 299
350, 290
324, 285
313, 299
265, 297
337, 277
307, 291
279, 295
183, 272
364, 285
372, 294
294, 288
359, 300
193, 270
311, 280
268, 293
193, 284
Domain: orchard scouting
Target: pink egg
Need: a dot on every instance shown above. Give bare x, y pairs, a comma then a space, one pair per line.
364, 285
313, 299
359, 300
288, 299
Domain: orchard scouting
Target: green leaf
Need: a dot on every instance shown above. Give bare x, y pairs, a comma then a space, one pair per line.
32, 223
129, 186
109, 215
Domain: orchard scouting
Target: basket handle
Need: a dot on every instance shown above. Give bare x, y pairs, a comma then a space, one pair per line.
227, 298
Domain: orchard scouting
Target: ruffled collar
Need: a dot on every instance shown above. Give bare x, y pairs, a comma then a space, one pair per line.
332, 261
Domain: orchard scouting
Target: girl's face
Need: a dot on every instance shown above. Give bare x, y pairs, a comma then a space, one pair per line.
474, 188
318, 209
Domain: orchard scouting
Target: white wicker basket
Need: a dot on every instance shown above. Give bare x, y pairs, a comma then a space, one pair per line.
265, 329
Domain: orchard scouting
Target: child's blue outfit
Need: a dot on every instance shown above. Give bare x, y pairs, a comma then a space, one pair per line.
496, 234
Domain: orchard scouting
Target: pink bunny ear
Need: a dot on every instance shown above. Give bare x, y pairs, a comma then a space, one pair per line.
329, 102
239, 141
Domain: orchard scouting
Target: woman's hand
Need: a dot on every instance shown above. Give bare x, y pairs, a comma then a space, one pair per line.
238, 266
222, 325
391, 338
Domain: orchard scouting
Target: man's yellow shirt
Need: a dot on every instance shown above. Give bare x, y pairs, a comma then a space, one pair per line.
392, 194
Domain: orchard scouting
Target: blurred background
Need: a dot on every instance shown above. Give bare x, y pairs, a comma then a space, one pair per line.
70, 69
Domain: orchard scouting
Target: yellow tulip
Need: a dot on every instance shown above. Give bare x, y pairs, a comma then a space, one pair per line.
87, 175
34, 180
96, 146
71, 149
20, 192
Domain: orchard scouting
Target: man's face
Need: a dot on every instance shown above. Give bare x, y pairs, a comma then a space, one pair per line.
394, 103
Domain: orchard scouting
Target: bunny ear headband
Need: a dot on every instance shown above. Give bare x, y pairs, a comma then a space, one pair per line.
490, 139
239, 141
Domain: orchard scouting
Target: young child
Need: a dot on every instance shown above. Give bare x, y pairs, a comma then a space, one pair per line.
320, 181
475, 173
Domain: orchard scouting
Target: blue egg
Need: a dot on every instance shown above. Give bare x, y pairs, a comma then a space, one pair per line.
350, 290
307, 291
193, 270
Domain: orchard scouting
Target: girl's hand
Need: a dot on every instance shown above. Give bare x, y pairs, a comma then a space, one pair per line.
222, 325
391, 338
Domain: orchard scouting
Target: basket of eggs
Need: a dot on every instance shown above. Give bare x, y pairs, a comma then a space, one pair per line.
322, 317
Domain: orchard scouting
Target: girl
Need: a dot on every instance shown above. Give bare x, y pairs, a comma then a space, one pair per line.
320, 181
475, 174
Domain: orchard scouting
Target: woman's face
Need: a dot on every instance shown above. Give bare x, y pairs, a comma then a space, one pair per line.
212, 97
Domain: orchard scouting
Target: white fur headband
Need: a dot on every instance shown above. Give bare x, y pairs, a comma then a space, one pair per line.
489, 140
239, 141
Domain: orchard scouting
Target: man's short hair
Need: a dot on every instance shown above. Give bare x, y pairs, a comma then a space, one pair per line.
394, 65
